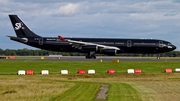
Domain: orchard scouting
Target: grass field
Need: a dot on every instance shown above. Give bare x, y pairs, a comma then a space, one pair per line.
151, 85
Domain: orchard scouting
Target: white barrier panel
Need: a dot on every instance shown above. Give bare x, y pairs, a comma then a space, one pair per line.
64, 71
44, 72
21, 72
177, 70
91, 71
130, 71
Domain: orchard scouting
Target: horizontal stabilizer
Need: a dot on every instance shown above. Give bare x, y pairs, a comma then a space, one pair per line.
18, 39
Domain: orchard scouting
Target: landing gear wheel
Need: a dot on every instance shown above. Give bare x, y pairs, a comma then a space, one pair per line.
94, 57
87, 57
91, 55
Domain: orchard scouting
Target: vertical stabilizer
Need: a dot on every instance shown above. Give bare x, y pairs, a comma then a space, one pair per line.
20, 28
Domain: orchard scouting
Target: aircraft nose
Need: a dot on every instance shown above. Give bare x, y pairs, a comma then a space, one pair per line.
173, 47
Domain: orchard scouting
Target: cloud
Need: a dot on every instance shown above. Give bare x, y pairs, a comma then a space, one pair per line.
67, 10
4, 2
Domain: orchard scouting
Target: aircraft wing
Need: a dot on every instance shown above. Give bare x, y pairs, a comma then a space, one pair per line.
78, 44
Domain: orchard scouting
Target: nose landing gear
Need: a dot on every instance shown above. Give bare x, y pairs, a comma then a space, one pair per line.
158, 56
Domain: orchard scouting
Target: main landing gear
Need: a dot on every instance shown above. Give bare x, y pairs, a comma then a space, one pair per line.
91, 55
158, 56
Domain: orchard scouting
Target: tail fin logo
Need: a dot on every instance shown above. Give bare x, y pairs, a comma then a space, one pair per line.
19, 26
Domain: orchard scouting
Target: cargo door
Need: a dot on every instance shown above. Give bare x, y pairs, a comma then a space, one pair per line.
160, 44
129, 43
40, 41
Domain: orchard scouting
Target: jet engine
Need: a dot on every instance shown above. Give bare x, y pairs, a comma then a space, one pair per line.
90, 48
111, 52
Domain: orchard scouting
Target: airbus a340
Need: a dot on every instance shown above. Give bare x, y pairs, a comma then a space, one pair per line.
108, 46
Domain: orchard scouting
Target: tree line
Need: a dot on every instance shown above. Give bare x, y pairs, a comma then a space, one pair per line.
30, 52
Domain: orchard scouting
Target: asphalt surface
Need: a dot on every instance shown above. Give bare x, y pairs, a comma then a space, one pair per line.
113, 59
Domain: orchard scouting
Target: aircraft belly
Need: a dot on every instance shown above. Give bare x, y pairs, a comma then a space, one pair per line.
138, 50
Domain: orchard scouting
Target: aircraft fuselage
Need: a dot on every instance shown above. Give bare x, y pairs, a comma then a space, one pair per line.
125, 45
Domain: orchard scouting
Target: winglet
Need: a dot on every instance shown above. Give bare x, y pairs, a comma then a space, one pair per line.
61, 38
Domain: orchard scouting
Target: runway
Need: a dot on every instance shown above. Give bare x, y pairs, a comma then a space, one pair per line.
117, 58
100, 59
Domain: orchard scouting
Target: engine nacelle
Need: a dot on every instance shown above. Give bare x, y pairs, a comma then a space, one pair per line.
90, 48
111, 52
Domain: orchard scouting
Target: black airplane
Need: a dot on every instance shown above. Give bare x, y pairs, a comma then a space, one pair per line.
108, 46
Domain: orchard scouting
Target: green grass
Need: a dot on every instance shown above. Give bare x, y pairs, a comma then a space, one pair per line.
152, 85
80, 92
15, 88
11, 66
123, 92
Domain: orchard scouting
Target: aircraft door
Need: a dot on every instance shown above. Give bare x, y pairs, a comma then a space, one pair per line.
160, 44
129, 43
41, 41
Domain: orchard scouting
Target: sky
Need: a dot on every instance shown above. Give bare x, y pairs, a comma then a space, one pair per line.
156, 19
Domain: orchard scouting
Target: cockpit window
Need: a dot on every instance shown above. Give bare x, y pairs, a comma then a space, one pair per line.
169, 44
